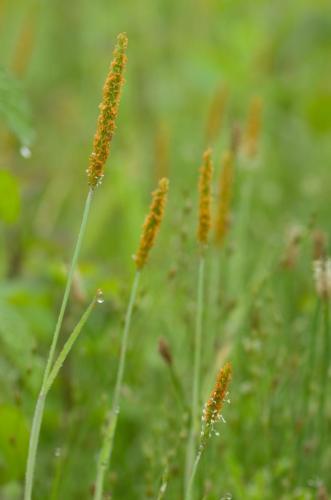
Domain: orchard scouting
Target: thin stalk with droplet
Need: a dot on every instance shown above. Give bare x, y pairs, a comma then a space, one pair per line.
101, 148
150, 229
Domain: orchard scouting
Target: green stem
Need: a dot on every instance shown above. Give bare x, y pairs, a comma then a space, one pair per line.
191, 447
39, 409
325, 370
188, 494
68, 346
107, 445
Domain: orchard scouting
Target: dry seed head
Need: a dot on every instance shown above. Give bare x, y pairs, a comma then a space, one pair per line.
224, 197
152, 223
206, 171
165, 351
322, 275
108, 113
212, 412
253, 127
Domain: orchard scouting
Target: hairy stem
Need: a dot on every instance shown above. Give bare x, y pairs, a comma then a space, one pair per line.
107, 445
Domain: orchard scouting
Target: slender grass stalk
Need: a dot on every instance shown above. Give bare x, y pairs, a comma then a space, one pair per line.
204, 225
212, 413
191, 448
39, 409
188, 494
309, 369
325, 367
107, 445
150, 230
68, 346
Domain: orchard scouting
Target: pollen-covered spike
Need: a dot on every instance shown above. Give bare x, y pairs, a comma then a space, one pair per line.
108, 113
152, 223
213, 407
206, 171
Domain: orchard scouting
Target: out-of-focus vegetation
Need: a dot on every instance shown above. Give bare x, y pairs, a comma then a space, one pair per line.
262, 311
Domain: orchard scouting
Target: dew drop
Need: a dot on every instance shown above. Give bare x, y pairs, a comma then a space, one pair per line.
227, 496
25, 152
100, 297
57, 452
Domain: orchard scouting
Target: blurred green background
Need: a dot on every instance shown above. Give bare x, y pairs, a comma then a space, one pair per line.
54, 58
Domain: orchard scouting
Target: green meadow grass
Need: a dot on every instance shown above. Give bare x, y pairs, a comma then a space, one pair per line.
263, 316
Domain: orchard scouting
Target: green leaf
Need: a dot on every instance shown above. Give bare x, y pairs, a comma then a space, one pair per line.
9, 197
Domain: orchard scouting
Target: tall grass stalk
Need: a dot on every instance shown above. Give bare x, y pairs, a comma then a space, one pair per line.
150, 230
39, 409
191, 448
325, 368
107, 445
212, 413
188, 493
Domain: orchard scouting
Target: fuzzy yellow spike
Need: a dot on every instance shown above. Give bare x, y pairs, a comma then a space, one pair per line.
204, 225
108, 113
212, 412
152, 223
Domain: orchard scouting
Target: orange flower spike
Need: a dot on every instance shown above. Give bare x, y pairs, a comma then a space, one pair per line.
152, 223
224, 197
212, 412
204, 225
108, 113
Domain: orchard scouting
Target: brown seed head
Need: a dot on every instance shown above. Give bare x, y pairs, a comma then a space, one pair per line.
108, 113
212, 412
152, 223
165, 352
224, 197
253, 127
206, 171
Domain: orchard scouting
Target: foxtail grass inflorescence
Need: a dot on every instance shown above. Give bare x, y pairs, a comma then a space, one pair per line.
150, 229
224, 197
204, 224
108, 113
211, 415
212, 411
152, 223
105, 130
